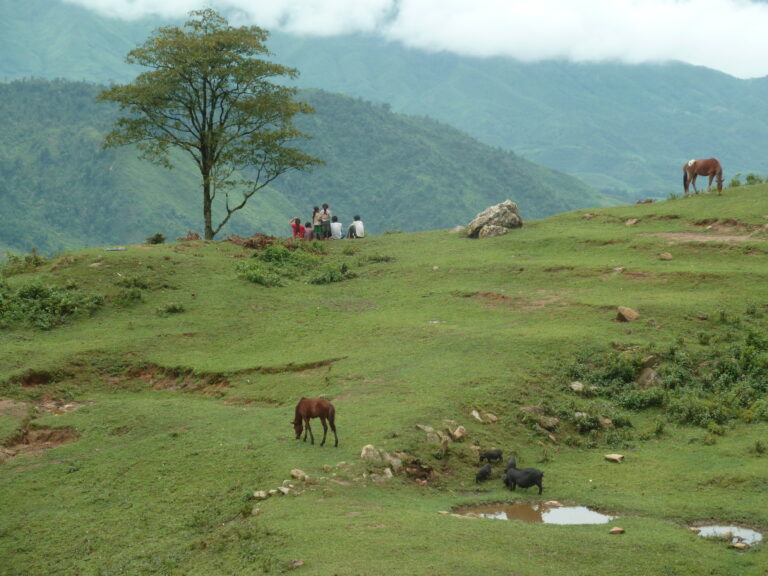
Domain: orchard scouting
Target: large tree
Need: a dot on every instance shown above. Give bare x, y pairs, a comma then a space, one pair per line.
210, 94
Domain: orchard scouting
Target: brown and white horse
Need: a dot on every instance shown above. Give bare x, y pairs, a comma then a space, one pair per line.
702, 167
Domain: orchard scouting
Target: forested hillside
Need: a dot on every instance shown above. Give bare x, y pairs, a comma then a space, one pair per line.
60, 190
622, 129
625, 130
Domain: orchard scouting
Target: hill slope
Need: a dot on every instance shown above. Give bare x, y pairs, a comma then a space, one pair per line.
133, 439
59, 189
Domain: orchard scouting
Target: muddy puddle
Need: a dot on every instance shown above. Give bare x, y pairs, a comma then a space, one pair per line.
544, 512
735, 533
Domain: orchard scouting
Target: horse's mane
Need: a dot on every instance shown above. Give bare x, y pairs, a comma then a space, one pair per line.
297, 414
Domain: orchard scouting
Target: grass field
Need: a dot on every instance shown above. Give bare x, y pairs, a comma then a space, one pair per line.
147, 394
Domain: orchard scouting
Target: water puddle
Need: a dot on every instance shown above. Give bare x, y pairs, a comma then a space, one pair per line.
735, 533
546, 512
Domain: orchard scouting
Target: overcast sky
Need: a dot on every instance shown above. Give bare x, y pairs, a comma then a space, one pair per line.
727, 35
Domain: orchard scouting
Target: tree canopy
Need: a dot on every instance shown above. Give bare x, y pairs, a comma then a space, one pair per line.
209, 93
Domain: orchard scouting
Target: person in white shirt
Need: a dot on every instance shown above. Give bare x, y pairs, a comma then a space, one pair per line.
356, 229
337, 230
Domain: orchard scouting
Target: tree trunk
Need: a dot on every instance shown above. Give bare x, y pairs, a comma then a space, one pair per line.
207, 208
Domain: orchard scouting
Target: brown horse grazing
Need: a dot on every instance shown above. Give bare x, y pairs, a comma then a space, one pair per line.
702, 167
314, 408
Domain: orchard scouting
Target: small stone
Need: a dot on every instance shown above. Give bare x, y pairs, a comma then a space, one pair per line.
295, 564
284, 490
648, 378
630, 222
261, 495
273, 492
458, 434
618, 458
476, 415
616, 530
370, 453
549, 422
553, 504
299, 475
605, 422
625, 314
443, 512
665, 256
576, 386
740, 545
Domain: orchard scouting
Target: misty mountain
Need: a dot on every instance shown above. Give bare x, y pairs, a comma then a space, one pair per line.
625, 130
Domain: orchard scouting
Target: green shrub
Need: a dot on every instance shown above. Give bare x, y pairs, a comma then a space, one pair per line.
753, 178
376, 258
641, 399
129, 297
259, 275
276, 253
133, 282
157, 238
691, 407
172, 308
331, 274
759, 410
15, 264
44, 307
585, 422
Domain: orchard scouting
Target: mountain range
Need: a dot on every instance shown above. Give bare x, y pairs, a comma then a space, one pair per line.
59, 189
625, 130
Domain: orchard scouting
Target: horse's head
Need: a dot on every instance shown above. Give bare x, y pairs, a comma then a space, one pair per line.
297, 427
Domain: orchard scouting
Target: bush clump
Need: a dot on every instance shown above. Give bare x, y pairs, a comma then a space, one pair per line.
15, 264
44, 307
331, 274
278, 263
707, 387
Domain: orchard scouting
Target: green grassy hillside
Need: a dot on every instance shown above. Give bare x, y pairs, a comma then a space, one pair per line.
147, 395
60, 190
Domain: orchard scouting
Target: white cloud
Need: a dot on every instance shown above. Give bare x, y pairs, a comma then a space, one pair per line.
727, 35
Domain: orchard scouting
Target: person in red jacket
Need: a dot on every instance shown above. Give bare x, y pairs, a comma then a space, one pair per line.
297, 227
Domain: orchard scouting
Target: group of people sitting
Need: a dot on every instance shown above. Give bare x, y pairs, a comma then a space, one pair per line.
325, 226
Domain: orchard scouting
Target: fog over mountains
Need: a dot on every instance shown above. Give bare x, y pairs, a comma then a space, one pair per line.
624, 129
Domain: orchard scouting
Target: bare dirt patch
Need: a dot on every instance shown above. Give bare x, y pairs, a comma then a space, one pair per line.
34, 378
494, 299
706, 237
59, 407
35, 441
13, 409
727, 231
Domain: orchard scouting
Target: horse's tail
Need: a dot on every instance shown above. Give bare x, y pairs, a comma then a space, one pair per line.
685, 177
